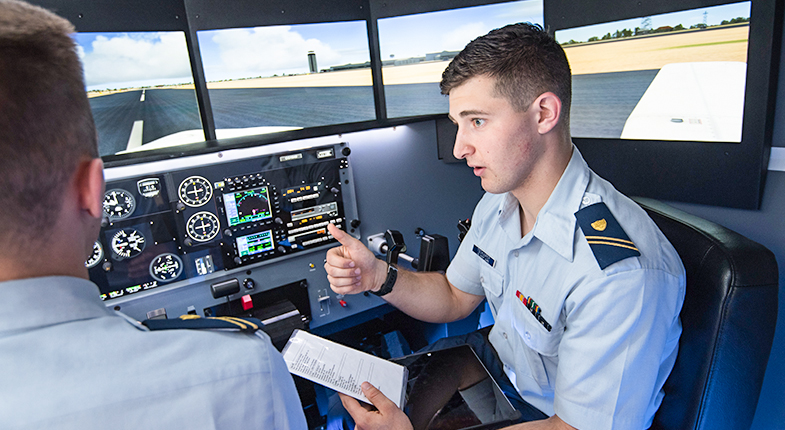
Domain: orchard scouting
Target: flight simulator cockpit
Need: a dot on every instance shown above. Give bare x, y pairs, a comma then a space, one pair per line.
233, 135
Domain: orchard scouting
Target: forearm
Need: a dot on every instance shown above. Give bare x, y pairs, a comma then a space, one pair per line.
352, 269
429, 296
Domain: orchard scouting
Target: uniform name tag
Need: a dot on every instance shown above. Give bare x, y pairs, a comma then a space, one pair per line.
485, 257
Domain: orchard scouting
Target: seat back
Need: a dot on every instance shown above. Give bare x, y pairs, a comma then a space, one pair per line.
728, 319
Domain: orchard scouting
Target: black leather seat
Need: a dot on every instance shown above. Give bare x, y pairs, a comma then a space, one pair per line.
728, 318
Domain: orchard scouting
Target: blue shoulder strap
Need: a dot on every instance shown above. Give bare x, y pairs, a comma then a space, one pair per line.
607, 239
195, 322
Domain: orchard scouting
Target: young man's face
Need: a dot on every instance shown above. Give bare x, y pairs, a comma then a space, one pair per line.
497, 141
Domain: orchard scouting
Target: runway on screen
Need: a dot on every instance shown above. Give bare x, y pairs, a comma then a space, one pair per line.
604, 101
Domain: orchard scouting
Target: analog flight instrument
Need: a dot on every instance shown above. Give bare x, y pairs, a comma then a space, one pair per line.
166, 267
195, 191
118, 204
203, 226
128, 243
96, 256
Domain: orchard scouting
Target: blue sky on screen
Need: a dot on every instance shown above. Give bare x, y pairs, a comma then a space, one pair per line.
120, 60
714, 15
275, 50
123, 60
420, 34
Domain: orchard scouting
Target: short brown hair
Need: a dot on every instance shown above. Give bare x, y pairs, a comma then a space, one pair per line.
46, 125
525, 61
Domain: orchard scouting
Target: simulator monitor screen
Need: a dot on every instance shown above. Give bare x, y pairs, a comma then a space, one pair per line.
677, 76
247, 206
416, 48
276, 78
141, 90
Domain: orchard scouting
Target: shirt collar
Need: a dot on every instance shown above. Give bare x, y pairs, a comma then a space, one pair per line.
555, 225
39, 302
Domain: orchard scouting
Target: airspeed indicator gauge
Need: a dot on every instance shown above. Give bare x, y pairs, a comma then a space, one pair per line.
96, 256
203, 226
195, 191
166, 267
118, 204
128, 243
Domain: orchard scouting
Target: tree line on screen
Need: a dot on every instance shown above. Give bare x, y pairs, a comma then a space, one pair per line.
638, 31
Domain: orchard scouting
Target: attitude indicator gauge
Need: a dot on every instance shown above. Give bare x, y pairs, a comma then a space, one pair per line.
203, 226
166, 267
118, 204
195, 191
96, 256
128, 243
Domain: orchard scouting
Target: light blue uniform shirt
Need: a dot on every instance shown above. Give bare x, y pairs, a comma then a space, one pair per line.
68, 362
613, 333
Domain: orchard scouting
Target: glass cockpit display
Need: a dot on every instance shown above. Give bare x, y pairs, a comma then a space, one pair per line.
196, 222
247, 206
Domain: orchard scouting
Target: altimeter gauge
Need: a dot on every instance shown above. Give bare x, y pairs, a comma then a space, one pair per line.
166, 267
128, 243
195, 191
96, 256
118, 204
203, 226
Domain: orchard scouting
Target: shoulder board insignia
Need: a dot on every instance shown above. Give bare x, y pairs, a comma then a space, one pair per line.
607, 239
195, 322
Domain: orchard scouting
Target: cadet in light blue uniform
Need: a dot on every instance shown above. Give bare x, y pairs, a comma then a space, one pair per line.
585, 290
591, 344
70, 363
66, 361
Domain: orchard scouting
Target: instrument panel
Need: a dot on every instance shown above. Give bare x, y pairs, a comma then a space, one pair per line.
167, 228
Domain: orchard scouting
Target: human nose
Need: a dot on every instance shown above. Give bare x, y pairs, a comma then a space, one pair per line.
462, 147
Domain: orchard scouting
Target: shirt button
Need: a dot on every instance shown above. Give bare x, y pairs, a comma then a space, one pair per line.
586, 200
527, 335
504, 334
482, 280
515, 253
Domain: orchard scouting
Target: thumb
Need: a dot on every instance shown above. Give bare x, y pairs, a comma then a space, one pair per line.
377, 398
343, 237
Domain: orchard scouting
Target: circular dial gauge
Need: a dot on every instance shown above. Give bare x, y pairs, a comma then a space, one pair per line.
166, 267
128, 243
118, 204
195, 191
96, 256
203, 226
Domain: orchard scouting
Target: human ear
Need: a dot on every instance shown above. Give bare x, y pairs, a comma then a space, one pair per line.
549, 110
90, 186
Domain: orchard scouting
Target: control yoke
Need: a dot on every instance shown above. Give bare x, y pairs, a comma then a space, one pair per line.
434, 250
395, 245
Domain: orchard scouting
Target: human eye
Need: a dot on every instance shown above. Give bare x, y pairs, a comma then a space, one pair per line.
478, 122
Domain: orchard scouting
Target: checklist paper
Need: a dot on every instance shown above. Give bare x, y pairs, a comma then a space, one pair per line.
343, 369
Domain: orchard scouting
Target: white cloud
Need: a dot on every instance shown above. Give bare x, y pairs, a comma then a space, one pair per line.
152, 59
264, 51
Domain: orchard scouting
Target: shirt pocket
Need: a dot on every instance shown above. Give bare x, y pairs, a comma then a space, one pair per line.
537, 345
